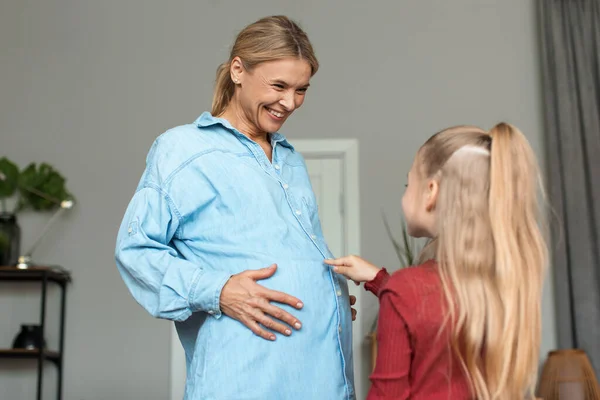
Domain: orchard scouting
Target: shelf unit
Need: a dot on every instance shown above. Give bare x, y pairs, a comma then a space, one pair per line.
44, 275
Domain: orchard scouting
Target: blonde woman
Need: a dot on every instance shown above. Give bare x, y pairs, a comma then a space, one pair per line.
464, 324
224, 199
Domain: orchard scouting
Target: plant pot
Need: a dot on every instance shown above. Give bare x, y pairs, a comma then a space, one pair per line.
10, 239
568, 374
30, 337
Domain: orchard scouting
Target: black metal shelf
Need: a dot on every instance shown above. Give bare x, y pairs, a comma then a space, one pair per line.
42, 274
37, 273
53, 356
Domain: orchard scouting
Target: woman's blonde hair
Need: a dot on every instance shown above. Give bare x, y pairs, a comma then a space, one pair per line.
268, 39
491, 254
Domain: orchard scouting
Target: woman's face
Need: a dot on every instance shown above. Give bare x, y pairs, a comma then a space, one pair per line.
269, 93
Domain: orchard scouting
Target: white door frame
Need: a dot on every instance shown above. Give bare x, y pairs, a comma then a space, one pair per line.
347, 151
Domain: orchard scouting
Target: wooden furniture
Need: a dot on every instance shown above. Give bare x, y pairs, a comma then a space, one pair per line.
44, 275
568, 374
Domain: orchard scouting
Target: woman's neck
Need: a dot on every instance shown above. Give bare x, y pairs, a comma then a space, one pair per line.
235, 116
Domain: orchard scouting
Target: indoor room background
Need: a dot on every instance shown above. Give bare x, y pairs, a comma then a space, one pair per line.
88, 85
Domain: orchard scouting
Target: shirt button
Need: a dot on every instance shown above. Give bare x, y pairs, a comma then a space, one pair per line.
211, 312
130, 230
313, 237
285, 186
340, 328
339, 292
276, 166
298, 212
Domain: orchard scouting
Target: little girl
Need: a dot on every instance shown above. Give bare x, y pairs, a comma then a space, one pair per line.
465, 323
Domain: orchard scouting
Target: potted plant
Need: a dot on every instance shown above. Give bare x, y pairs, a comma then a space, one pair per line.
37, 187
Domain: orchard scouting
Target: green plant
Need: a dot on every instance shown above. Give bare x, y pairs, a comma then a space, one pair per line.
9, 178
41, 188
406, 250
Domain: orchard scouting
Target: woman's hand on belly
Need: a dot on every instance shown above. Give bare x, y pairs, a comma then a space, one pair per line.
250, 303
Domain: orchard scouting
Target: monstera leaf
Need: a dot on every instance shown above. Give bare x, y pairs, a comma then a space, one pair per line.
41, 188
9, 177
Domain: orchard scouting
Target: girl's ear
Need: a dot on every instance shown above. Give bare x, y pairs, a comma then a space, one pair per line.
433, 188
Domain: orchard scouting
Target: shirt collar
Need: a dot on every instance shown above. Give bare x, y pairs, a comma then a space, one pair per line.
206, 119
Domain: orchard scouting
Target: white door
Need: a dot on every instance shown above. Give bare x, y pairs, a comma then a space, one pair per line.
333, 170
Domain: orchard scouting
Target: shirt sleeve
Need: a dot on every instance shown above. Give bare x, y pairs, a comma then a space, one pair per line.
164, 283
390, 379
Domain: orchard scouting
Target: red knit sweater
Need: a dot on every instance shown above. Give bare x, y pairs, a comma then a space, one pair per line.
413, 362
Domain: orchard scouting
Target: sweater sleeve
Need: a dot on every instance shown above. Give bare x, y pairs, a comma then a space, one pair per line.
374, 286
390, 379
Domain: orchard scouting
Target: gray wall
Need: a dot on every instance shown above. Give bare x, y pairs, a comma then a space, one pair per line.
87, 86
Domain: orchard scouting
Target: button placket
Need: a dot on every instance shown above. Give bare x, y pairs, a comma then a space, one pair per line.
297, 210
275, 164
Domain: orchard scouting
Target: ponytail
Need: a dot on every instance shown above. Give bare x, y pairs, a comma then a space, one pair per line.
224, 89
520, 259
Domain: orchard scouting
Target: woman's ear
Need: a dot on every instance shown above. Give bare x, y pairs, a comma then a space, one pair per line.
236, 70
433, 188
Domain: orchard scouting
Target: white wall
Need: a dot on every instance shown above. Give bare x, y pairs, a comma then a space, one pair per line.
87, 85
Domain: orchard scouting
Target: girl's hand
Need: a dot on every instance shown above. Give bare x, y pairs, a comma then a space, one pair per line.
354, 268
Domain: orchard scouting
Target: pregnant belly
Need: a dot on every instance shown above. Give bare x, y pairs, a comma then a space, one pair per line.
236, 358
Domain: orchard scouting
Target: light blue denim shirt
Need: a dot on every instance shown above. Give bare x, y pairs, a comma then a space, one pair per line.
210, 205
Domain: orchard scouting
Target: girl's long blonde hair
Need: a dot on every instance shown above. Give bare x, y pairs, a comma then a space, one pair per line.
491, 254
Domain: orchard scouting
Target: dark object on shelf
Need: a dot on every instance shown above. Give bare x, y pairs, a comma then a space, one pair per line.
30, 338
43, 275
10, 239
